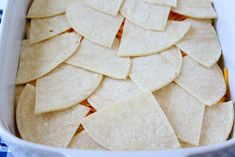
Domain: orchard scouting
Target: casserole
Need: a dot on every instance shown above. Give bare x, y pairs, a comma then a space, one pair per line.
11, 34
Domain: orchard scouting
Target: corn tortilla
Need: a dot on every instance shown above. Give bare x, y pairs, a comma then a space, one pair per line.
83, 141
46, 8
184, 112
137, 41
111, 91
171, 3
201, 43
155, 71
102, 31
101, 60
39, 59
206, 84
53, 129
64, 87
217, 123
46, 28
18, 90
201, 9
105, 6
137, 123
146, 15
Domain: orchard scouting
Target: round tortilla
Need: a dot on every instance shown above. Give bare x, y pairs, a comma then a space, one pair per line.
206, 84
201, 43
137, 41
201, 9
156, 71
146, 15
105, 6
111, 91
184, 112
96, 26
83, 141
53, 129
217, 124
101, 60
39, 59
46, 8
171, 3
137, 123
64, 87
42, 29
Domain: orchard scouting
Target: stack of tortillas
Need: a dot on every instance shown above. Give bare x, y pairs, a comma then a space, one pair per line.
120, 76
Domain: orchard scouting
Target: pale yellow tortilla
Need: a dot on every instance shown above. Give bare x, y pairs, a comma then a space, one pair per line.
186, 145
217, 124
106, 6
201, 43
184, 112
83, 141
18, 90
146, 15
156, 71
53, 129
173, 56
201, 9
171, 3
39, 59
42, 29
46, 8
206, 84
137, 123
27, 30
64, 87
137, 41
96, 26
111, 91
101, 60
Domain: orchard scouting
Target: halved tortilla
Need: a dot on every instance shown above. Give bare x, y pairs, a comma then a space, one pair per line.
46, 8
201, 43
18, 90
38, 59
172, 57
206, 84
137, 41
111, 91
96, 26
83, 141
217, 124
101, 60
201, 9
137, 123
53, 129
42, 29
186, 145
27, 30
171, 3
146, 15
64, 87
184, 112
156, 71
105, 6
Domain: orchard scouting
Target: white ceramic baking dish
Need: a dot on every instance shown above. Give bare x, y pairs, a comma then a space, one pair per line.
11, 34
